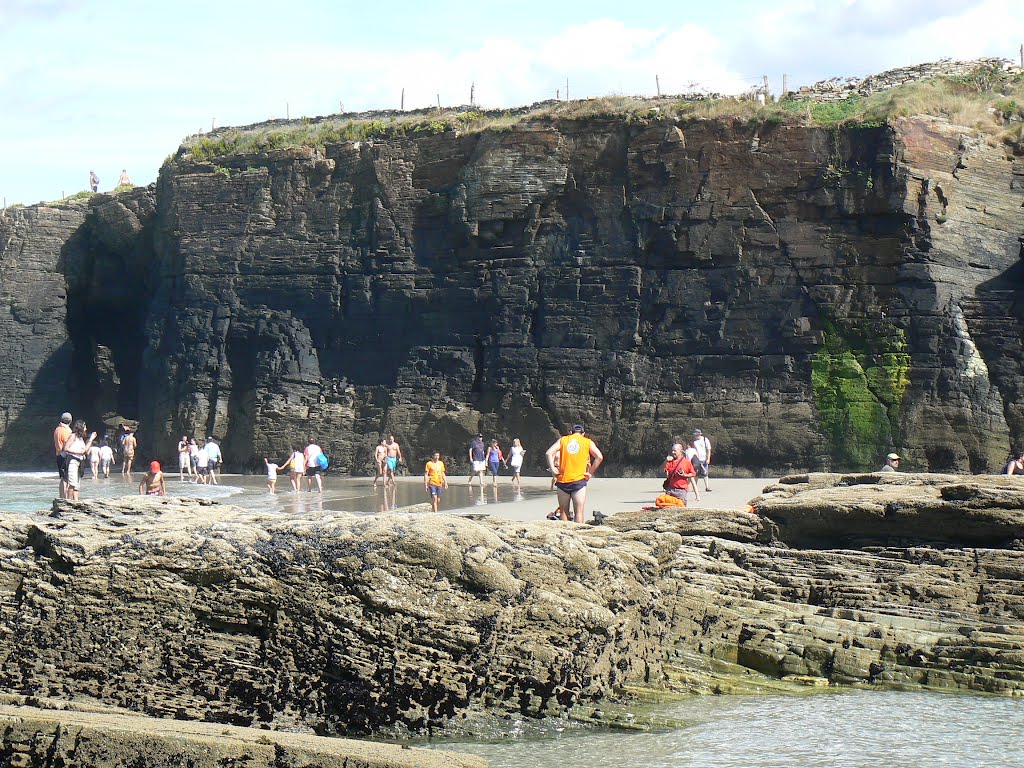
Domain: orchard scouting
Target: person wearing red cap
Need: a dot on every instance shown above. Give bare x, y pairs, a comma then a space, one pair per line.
153, 483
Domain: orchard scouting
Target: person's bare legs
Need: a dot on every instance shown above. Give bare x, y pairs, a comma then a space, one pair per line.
563, 503
579, 500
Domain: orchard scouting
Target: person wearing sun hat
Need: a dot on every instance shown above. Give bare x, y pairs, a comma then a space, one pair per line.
892, 463
153, 483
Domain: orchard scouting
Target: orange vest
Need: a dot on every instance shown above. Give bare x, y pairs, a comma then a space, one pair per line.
574, 453
435, 472
60, 436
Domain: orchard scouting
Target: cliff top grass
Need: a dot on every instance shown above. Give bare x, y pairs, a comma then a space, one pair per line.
987, 100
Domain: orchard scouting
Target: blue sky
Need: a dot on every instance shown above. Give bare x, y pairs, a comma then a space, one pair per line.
106, 85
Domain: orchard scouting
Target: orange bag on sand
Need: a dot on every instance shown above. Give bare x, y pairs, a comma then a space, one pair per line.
667, 500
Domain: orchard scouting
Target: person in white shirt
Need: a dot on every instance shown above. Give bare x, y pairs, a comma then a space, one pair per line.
203, 466
313, 470
298, 462
691, 454
702, 446
106, 458
215, 459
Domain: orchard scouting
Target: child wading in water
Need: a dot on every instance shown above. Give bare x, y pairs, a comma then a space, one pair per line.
272, 470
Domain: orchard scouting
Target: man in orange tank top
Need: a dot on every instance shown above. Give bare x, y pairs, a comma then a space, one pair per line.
568, 458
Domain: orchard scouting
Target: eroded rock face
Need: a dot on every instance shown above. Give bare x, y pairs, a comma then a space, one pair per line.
34, 344
811, 298
341, 624
808, 297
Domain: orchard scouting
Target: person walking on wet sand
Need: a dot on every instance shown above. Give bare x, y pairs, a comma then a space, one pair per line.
153, 483
568, 458
515, 460
703, 464
298, 469
434, 479
272, 470
495, 457
391, 459
128, 443
184, 459
477, 459
216, 459
380, 454
106, 458
313, 471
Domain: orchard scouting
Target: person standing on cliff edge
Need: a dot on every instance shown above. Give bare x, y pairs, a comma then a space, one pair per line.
94, 181
572, 454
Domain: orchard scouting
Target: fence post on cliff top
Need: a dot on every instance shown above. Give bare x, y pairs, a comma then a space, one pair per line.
401, 107
767, 95
657, 85
472, 89
785, 85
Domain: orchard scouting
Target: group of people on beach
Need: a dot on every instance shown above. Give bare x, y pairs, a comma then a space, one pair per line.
484, 458
199, 463
310, 462
72, 448
572, 460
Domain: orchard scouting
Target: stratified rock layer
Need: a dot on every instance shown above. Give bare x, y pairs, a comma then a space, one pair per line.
34, 737
809, 297
341, 624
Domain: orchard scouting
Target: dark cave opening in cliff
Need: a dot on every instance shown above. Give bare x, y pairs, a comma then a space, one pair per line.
106, 360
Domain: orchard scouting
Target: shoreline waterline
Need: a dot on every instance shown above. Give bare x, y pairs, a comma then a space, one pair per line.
33, 492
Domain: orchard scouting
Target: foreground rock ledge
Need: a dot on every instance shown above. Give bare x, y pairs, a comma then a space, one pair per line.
339, 624
32, 736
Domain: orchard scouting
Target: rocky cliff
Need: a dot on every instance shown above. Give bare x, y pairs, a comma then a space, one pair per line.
350, 625
809, 297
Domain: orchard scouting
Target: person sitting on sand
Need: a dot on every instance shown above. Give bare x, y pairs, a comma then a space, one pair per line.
153, 483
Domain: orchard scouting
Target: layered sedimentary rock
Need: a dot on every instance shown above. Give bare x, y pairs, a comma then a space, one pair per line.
73, 287
52, 733
340, 624
809, 297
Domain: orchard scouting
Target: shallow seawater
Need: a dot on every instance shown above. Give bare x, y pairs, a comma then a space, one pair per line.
859, 729
35, 491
